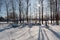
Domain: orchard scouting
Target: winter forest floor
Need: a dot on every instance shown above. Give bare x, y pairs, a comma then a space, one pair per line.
29, 32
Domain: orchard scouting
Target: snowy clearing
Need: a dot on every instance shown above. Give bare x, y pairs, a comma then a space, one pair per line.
29, 32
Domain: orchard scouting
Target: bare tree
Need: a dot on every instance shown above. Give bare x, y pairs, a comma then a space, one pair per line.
27, 2
13, 9
7, 3
39, 10
20, 10
57, 17
11, 15
0, 4
51, 10
42, 9
0, 7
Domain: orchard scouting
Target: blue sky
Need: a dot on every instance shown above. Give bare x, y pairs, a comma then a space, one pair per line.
33, 2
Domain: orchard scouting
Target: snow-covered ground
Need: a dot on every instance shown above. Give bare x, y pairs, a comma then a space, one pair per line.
29, 32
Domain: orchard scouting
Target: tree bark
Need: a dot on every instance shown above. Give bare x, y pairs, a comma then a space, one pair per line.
57, 23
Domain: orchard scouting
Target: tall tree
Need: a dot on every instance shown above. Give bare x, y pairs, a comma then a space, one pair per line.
7, 3
51, 10
57, 17
0, 5
42, 9
20, 10
39, 10
27, 2
13, 9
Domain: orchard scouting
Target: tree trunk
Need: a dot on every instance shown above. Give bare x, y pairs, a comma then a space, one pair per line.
42, 11
51, 10
20, 11
57, 23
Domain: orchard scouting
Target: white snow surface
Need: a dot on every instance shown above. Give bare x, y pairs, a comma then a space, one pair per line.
29, 32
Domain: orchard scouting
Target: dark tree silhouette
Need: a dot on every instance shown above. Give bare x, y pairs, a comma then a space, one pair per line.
2, 19
39, 11
7, 3
20, 10
42, 10
57, 17
0, 5
51, 10
27, 2
13, 9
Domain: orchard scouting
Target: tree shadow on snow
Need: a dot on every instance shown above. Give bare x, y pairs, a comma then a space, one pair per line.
55, 33
8, 27
39, 33
46, 34
30, 25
